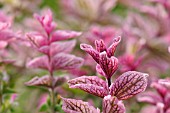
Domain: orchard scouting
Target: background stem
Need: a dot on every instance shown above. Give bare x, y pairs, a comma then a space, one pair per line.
52, 95
1, 88
52, 89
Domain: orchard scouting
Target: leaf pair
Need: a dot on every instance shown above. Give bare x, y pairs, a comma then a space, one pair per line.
91, 84
59, 61
78, 106
125, 86
46, 81
49, 46
110, 105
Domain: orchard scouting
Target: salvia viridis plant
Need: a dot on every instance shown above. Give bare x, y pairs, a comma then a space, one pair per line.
125, 86
7, 38
55, 54
84, 56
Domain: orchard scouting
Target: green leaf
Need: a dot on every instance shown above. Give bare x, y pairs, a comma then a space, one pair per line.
43, 108
48, 102
8, 90
53, 4
120, 10
59, 108
12, 109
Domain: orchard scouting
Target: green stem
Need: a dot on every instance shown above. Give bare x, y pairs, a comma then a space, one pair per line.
52, 93
1, 100
1, 88
52, 89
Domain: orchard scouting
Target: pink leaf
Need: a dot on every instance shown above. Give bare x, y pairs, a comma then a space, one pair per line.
3, 44
6, 61
112, 105
88, 80
78, 106
149, 97
46, 21
92, 89
108, 65
65, 47
66, 61
44, 49
160, 108
5, 17
40, 81
112, 48
6, 35
129, 84
13, 97
100, 71
100, 46
39, 62
64, 35
37, 39
168, 110
162, 90
167, 100
57, 47
46, 81
4, 25
90, 84
165, 82
89, 49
